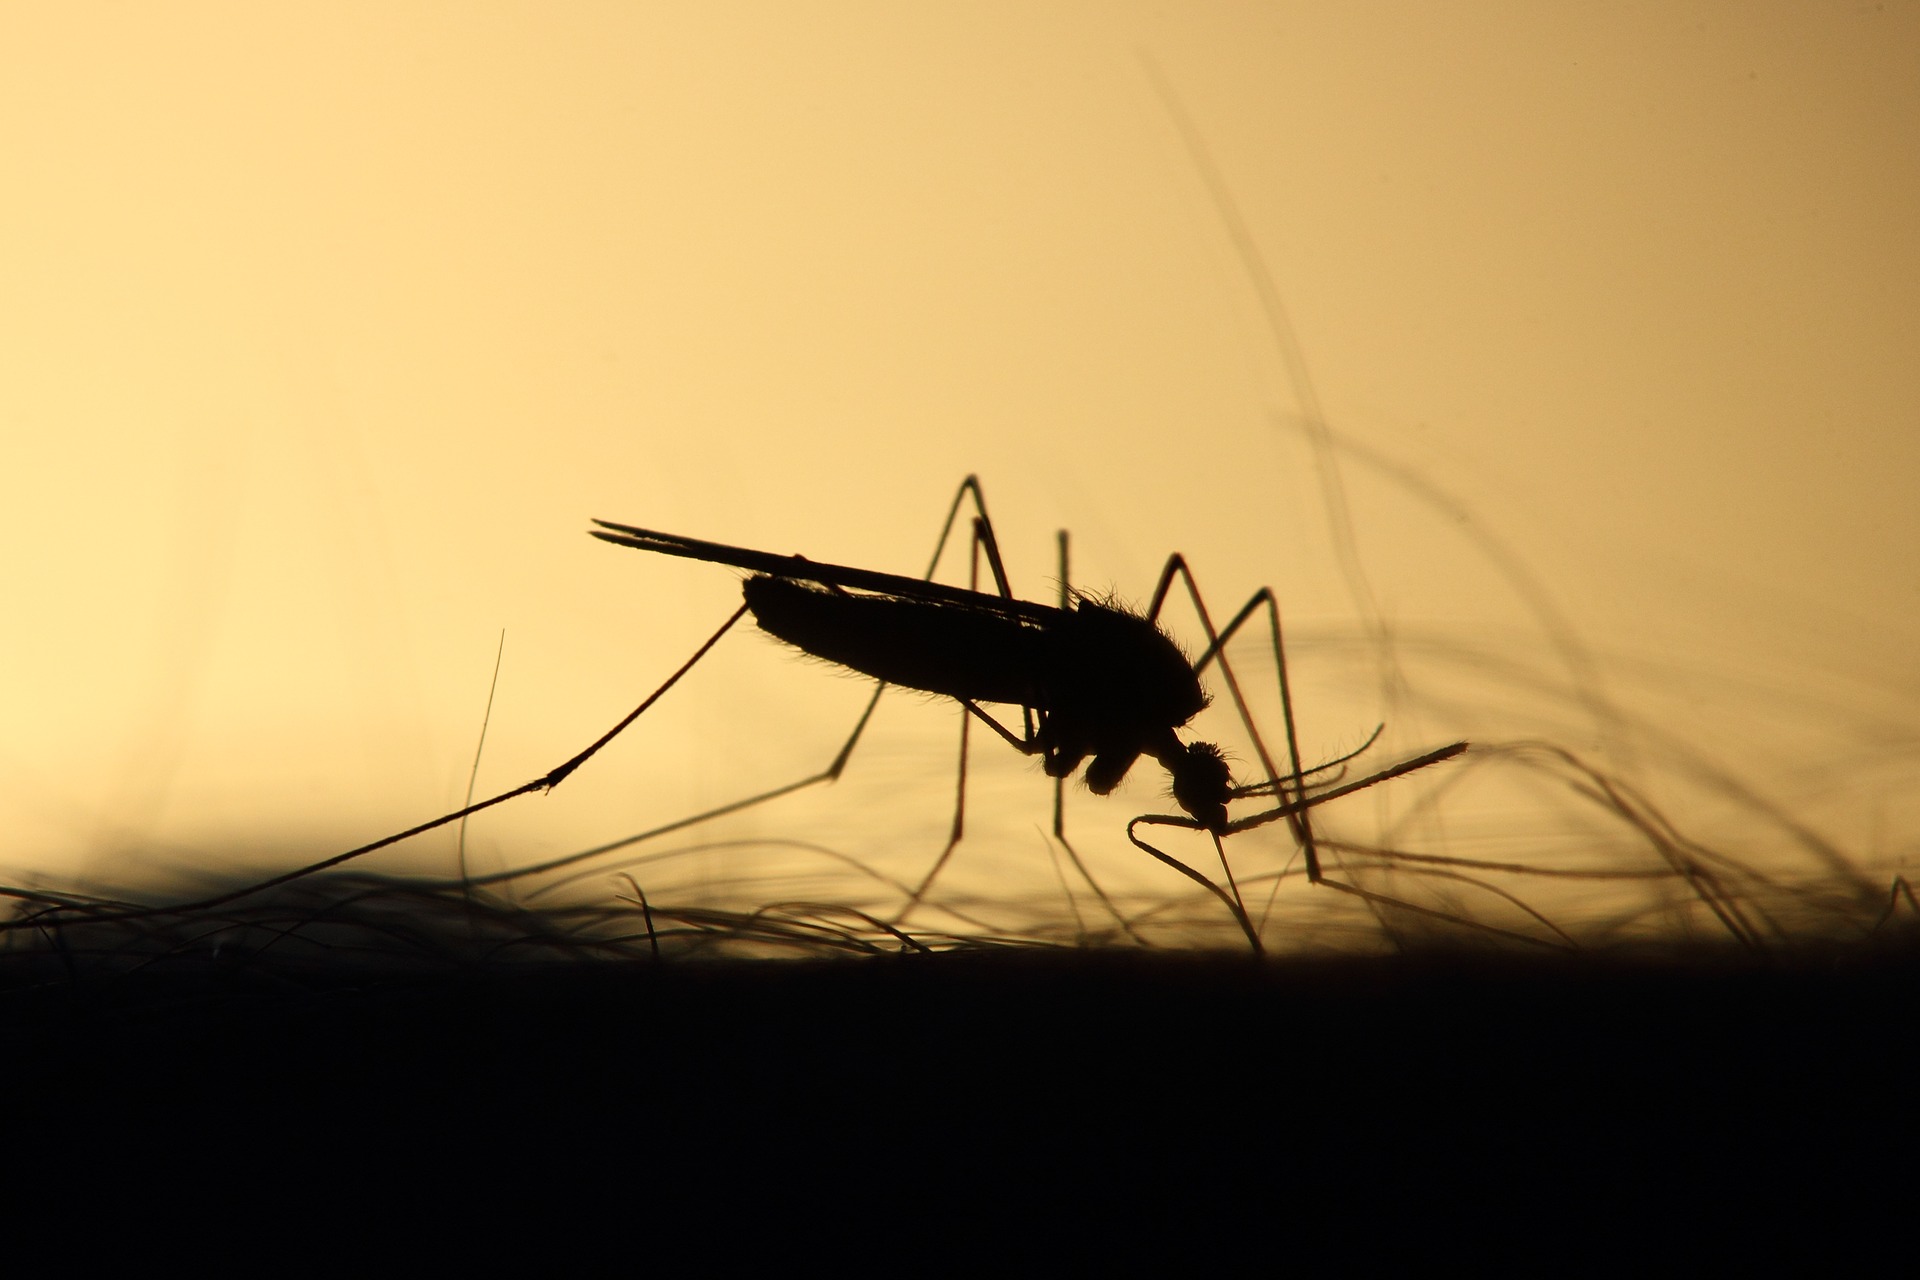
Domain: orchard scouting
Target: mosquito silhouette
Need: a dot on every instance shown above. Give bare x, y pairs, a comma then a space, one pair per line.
1096, 684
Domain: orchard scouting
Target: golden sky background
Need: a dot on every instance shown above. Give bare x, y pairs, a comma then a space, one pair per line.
327, 328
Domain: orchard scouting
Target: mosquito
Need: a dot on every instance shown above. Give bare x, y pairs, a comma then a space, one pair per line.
1096, 684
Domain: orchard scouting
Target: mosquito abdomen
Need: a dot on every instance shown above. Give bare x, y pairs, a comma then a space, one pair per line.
949, 649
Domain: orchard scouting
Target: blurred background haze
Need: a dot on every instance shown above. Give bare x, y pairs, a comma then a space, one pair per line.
326, 328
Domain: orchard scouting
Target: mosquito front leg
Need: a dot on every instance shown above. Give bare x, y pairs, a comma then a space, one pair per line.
1232, 900
1289, 809
1215, 652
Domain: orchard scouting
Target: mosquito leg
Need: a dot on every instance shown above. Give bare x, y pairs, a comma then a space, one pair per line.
1060, 783
545, 782
1215, 652
969, 487
954, 833
560, 774
1289, 810
1232, 900
1302, 803
1376, 902
982, 542
985, 544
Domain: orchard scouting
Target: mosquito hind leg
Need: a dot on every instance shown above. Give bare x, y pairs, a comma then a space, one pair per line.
983, 543
986, 546
830, 773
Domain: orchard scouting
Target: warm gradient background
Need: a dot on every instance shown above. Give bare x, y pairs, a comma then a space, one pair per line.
326, 328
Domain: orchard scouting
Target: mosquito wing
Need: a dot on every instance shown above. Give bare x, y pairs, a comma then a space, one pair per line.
801, 569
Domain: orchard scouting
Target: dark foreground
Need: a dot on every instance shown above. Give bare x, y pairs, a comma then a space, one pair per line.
987, 1110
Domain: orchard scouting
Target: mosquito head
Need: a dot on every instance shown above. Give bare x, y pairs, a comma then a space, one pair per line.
1201, 783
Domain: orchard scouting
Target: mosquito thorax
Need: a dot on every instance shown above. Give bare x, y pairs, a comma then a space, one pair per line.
1117, 666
